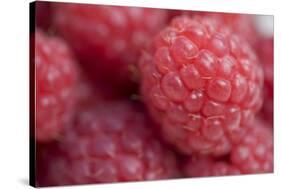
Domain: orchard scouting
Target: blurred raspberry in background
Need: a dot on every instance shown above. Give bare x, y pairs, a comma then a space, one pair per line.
56, 74
108, 39
265, 52
109, 142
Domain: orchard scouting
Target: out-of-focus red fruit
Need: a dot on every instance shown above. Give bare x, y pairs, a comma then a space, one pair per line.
206, 166
108, 39
112, 142
265, 53
55, 82
254, 152
43, 15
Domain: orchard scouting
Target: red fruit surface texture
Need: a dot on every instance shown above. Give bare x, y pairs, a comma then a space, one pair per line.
112, 142
202, 83
55, 82
254, 152
108, 39
206, 166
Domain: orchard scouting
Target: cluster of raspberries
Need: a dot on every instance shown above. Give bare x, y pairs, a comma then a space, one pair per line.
133, 94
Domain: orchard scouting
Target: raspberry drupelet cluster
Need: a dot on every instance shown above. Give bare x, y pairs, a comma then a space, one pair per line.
252, 154
206, 166
242, 24
110, 142
108, 39
202, 83
55, 82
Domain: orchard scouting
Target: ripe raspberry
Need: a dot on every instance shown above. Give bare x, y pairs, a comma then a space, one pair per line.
55, 79
109, 143
242, 24
43, 14
254, 153
207, 166
108, 39
201, 83
265, 53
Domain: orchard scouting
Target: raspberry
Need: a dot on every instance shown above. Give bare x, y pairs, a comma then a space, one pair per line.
111, 142
202, 83
43, 14
108, 39
55, 80
42, 151
241, 24
254, 153
207, 166
265, 53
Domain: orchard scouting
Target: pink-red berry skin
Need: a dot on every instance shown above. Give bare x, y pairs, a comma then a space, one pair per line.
55, 80
265, 53
242, 24
108, 39
202, 83
205, 166
109, 143
254, 152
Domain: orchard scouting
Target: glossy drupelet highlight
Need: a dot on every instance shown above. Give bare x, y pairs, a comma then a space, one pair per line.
108, 39
201, 82
55, 82
112, 142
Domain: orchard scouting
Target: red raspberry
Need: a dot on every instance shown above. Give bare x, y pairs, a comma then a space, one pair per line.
55, 79
109, 143
206, 166
254, 153
202, 83
242, 24
265, 53
108, 39
43, 14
